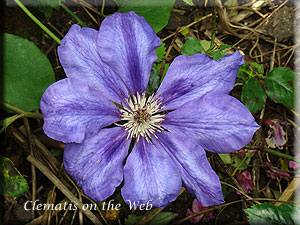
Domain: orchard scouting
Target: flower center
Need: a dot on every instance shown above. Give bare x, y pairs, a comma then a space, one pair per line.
141, 116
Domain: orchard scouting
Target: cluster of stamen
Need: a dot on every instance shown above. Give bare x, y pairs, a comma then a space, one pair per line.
142, 117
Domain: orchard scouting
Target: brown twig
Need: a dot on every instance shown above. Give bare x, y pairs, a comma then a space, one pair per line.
261, 24
187, 26
63, 189
33, 173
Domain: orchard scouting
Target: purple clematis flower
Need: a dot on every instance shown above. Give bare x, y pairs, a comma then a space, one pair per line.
107, 75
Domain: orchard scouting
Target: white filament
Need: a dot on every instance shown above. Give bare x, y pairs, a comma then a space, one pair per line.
141, 118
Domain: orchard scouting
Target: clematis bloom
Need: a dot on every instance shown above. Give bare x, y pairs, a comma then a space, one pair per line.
107, 75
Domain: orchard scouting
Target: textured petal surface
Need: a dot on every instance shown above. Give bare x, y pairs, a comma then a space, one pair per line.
150, 175
196, 172
127, 44
218, 121
190, 77
96, 164
73, 109
80, 59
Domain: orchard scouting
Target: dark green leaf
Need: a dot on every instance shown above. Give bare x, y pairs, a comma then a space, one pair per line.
56, 152
27, 73
257, 68
8, 121
243, 72
267, 213
224, 47
153, 81
219, 53
165, 71
132, 219
12, 183
280, 86
160, 52
163, 218
46, 10
45, 6
237, 161
253, 95
156, 12
191, 47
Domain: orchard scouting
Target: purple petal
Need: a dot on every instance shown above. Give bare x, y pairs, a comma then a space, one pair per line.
96, 164
127, 44
196, 172
79, 56
190, 77
150, 175
73, 109
218, 121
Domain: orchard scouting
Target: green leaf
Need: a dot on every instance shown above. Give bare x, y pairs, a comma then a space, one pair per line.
46, 10
27, 73
257, 68
132, 219
219, 53
185, 31
237, 161
224, 47
280, 86
267, 213
56, 152
160, 52
189, 2
165, 71
226, 158
243, 72
253, 95
8, 121
12, 183
205, 45
191, 47
44, 6
153, 80
163, 218
156, 12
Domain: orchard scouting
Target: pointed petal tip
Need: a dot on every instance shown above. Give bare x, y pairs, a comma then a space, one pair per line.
96, 164
150, 175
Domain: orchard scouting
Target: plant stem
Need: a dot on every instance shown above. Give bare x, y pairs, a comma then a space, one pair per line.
20, 111
241, 163
73, 15
102, 8
36, 20
279, 154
